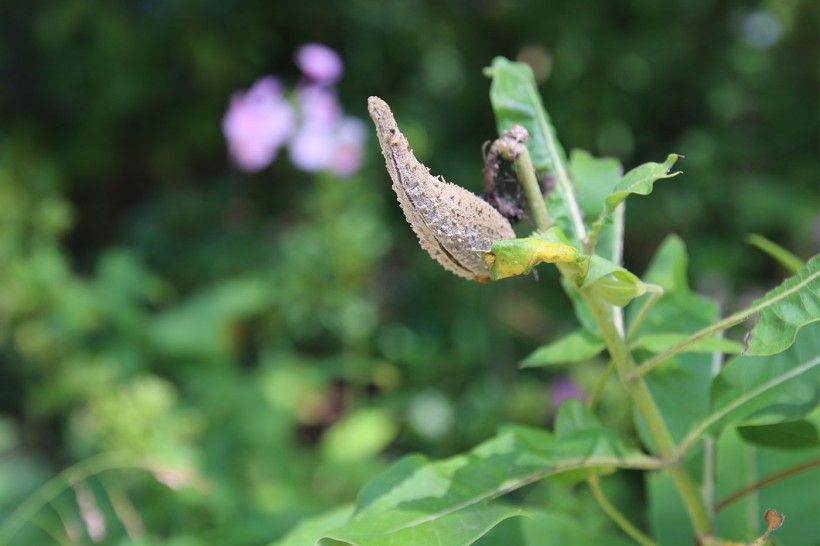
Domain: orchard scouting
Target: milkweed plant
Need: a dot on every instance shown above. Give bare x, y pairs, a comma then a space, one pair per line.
720, 425
724, 429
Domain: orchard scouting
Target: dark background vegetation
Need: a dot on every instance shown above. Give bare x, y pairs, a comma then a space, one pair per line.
281, 335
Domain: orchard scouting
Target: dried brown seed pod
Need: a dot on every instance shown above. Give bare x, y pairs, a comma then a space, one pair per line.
453, 225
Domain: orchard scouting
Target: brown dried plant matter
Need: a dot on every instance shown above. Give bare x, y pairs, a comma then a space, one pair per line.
453, 225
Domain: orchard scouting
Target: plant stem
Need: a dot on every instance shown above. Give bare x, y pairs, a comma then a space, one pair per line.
783, 474
647, 407
709, 447
649, 364
526, 176
623, 361
618, 226
615, 514
655, 293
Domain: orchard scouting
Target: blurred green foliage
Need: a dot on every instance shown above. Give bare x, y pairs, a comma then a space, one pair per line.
280, 336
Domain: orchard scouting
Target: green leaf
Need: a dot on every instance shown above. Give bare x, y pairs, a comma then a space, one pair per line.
448, 501
640, 181
659, 342
579, 346
765, 390
546, 528
511, 257
582, 312
460, 528
680, 385
789, 307
668, 522
515, 100
390, 478
788, 260
202, 325
598, 268
362, 434
574, 423
574, 417
595, 178
798, 434
612, 282
619, 288
540, 528
310, 530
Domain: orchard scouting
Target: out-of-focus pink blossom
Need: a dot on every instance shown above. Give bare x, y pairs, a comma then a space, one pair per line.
319, 63
563, 388
319, 104
256, 124
348, 153
91, 514
312, 147
173, 478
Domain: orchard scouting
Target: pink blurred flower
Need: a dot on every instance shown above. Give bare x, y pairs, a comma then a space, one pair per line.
563, 388
173, 478
319, 63
312, 146
350, 137
333, 146
318, 103
257, 123
91, 514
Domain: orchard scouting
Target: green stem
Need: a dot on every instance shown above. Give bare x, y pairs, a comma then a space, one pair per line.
647, 407
526, 176
655, 293
625, 365
616, 515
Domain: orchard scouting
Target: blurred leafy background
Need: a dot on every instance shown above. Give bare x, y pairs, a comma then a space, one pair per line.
280, 337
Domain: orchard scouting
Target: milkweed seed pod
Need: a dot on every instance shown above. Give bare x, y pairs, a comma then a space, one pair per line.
453, 225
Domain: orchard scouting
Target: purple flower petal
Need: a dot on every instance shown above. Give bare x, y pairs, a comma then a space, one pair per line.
563, 388
319, 63
256, 124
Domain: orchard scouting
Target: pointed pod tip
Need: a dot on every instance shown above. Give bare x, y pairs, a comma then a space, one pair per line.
381, 115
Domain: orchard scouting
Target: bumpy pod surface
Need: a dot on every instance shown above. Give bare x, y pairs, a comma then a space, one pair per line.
453, 225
